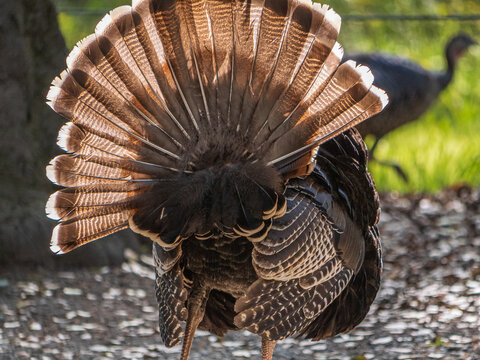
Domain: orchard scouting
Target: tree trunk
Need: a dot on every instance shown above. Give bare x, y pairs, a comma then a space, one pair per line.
32, 53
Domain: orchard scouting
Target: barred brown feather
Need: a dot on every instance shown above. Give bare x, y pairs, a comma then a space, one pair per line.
214, 127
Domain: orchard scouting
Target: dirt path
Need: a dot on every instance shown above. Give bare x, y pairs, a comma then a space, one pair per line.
428, 306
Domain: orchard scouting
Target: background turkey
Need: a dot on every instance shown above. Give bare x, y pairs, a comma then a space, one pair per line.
410, 88
197, 124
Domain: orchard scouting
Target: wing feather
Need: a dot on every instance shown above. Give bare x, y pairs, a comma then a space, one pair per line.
303, 265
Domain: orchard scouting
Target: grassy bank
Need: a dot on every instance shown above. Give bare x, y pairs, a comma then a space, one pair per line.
441, 149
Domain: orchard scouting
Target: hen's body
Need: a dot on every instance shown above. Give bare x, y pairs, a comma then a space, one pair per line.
411, 89
197, 123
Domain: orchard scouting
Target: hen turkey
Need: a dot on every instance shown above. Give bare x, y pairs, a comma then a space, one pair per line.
220, 130
411, 89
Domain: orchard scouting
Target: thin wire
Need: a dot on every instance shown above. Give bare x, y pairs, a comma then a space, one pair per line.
82, 12
77, 11
400, 17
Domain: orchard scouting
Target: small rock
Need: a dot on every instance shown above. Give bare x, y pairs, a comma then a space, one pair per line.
72, 291
382, 340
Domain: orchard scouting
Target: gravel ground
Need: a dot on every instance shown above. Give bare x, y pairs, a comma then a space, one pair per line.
428, 306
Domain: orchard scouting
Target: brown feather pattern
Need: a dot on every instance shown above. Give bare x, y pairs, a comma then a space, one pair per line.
217, 129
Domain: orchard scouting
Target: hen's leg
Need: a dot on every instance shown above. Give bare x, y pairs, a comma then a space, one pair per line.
372, 149
397, 168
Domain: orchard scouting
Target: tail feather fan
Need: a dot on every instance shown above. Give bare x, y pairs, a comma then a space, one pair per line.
178, 109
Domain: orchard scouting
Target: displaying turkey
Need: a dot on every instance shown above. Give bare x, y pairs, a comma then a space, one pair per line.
410, 88
220, 130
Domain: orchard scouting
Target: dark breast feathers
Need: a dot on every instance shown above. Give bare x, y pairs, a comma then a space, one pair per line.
220, 130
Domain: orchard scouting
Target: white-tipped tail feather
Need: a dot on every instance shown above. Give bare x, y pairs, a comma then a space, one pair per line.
53, 93
331, 17
50, 171
104, 23
50, 209
366, 76
74, 54
64, 135
381, 94
54, 247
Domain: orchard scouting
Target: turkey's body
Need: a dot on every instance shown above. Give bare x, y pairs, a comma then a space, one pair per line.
325, 206
217, 129
411, 90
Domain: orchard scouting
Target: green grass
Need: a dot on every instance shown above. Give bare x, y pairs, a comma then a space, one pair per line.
77, 25
441, 149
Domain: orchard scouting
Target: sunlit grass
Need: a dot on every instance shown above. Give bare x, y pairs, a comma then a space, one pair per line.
77, 25
441, 149
432, 159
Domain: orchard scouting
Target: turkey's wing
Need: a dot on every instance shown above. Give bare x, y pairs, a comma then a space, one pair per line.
307, 260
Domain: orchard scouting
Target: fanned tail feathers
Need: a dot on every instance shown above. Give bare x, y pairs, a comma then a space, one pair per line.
188, 117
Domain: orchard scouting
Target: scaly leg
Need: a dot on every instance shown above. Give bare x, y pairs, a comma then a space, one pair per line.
403, 175
267, 348
197, 302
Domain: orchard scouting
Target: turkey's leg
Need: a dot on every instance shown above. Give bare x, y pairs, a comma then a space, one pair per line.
196, 304
372, 149
393, 165
267, 348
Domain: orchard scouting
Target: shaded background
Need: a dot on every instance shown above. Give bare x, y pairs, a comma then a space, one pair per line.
429, 303
32, 53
